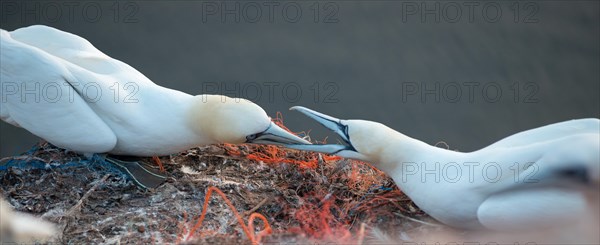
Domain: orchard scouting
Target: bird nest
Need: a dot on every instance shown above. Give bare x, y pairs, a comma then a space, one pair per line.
265, 194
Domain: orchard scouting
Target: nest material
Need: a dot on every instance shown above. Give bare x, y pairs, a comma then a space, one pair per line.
305, 197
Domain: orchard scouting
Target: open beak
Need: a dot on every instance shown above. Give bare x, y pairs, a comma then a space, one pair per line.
275, 135
333, 124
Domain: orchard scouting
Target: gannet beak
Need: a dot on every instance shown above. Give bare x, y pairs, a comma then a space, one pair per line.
275, 135
332, 123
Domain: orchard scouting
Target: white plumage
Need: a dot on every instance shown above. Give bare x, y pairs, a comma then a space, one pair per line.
86, 101
540, 177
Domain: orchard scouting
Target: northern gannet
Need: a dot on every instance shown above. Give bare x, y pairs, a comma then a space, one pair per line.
59, 87
534, 178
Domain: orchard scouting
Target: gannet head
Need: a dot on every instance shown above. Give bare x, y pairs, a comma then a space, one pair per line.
237, 121
363, 140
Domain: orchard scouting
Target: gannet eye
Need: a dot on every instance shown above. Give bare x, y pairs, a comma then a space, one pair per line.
251, 137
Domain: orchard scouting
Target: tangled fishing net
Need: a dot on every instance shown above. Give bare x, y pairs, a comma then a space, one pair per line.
263, 194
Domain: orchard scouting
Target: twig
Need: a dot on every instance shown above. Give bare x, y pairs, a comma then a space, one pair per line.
252, 210
257, 206
85, 196
416, 220
219, 182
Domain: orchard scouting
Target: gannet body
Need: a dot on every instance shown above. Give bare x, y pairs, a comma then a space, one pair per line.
85, 115
61, 88
535, 178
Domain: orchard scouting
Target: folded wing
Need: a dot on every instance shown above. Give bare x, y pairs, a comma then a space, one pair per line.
37, 95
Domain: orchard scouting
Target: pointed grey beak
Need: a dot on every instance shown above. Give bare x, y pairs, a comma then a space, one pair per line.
275, 135
333, 124
327, 121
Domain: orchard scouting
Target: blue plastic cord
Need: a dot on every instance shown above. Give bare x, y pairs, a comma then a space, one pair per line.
30, 164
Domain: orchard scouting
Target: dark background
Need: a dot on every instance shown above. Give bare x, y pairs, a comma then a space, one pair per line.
362, 56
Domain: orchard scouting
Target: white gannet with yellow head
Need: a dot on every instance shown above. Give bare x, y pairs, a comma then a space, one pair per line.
539, 177
59, 87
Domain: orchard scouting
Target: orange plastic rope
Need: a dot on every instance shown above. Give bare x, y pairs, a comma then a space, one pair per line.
158, 162
248, 231
272, 154
265, 231
317, 221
